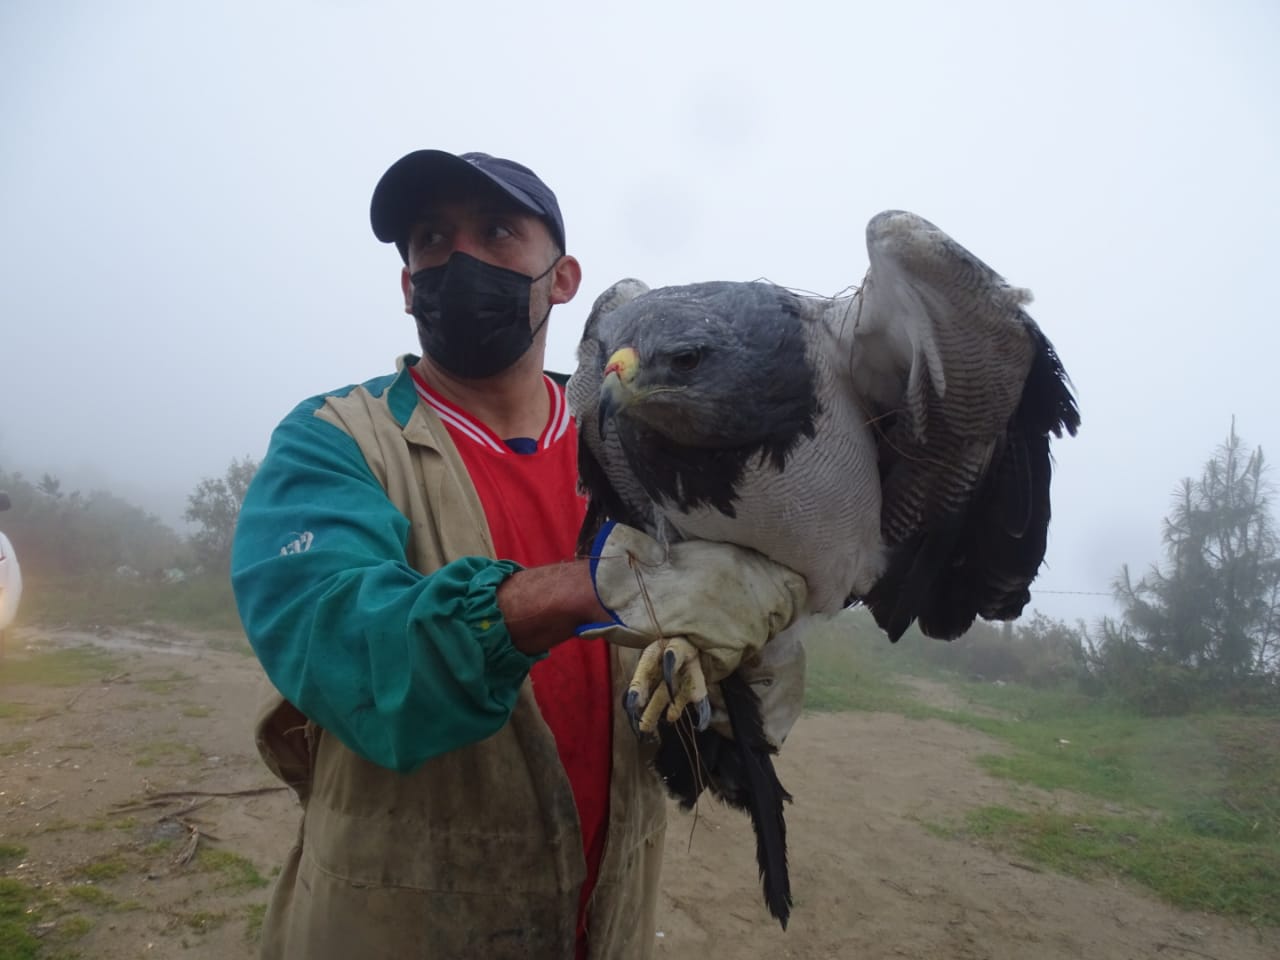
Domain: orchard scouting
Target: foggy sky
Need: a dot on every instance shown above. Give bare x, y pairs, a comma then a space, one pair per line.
185, 250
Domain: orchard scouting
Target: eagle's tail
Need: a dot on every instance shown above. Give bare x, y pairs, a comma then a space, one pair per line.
761, 793
740, 772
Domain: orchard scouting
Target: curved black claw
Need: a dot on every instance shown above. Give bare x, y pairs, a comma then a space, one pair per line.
669, 672
629, 701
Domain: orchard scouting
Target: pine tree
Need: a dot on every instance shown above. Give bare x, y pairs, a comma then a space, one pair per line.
1213, 606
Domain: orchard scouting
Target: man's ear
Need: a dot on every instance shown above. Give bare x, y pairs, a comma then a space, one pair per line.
406, 286
566, 279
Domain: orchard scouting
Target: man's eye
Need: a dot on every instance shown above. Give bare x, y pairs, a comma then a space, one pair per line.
499, 231
429, 238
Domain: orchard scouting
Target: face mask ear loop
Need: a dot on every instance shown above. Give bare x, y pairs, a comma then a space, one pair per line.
542, 322
548, 270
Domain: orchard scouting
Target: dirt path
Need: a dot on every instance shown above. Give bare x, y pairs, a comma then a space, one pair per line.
869, 878
871, 881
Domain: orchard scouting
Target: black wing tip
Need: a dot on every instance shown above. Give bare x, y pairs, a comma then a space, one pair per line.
889, 605
1049, 395
980, 559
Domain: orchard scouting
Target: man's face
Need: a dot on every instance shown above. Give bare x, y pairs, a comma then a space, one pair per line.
494, 230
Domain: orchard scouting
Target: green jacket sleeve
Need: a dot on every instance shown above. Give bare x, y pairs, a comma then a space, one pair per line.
399, 665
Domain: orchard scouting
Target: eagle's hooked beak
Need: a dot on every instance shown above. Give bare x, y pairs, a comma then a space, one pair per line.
617, 388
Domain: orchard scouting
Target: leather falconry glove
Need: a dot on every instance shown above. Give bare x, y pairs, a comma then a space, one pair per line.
776, 676
704, 606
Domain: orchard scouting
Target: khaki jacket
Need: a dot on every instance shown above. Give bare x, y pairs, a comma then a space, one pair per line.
477, 853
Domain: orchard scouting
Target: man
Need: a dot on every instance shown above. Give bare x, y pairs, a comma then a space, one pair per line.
404, 568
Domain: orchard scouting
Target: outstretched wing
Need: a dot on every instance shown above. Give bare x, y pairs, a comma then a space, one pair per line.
964, 391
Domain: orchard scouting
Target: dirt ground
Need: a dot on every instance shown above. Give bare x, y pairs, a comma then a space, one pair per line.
84, 770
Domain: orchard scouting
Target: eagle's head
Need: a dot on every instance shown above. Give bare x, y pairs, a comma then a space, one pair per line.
712, 366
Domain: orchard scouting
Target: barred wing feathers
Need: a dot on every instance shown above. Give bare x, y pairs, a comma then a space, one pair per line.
962, 389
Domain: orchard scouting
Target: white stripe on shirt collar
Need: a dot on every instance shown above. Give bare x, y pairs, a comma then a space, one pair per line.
557, 422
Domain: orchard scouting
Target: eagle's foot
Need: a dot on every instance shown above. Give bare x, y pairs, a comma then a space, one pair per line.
667, 679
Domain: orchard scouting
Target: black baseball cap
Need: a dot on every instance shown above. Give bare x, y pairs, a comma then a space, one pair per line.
403, 191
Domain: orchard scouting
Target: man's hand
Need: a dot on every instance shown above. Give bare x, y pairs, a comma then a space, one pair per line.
708, 605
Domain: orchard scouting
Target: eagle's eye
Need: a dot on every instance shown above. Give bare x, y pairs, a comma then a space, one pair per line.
686, 360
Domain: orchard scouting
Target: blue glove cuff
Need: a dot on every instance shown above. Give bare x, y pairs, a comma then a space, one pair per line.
597, 547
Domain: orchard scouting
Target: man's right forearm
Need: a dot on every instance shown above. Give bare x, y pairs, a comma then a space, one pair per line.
544, 605
399, 666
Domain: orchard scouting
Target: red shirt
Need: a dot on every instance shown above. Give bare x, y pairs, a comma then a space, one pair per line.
533, 509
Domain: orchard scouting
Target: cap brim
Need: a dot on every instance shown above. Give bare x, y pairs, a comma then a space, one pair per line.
414, 179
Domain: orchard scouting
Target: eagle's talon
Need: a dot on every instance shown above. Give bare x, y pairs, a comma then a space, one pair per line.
667, 680
632, 706
669, 663
704, 714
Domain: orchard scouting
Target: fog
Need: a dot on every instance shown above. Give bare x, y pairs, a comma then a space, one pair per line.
185, 250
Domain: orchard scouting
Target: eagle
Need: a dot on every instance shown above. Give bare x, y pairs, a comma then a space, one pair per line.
890, 444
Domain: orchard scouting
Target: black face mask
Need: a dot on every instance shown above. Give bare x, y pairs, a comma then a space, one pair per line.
473, 317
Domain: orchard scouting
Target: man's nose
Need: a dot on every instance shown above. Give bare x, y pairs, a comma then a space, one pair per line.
464, 242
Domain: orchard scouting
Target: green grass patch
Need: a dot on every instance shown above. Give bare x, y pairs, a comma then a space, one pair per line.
1192, 872
1109, 754
203, 602
1194, 801
197, 711
847, 668
1197, 797
166, 684
255, 915
104, 868
10, 851
74, 927
27, 913
90, 894
57, 825
166, 753
1219, 774
202, 921
1250, 747
13, 747
60, 668
234, 871
21, 908
12, 711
